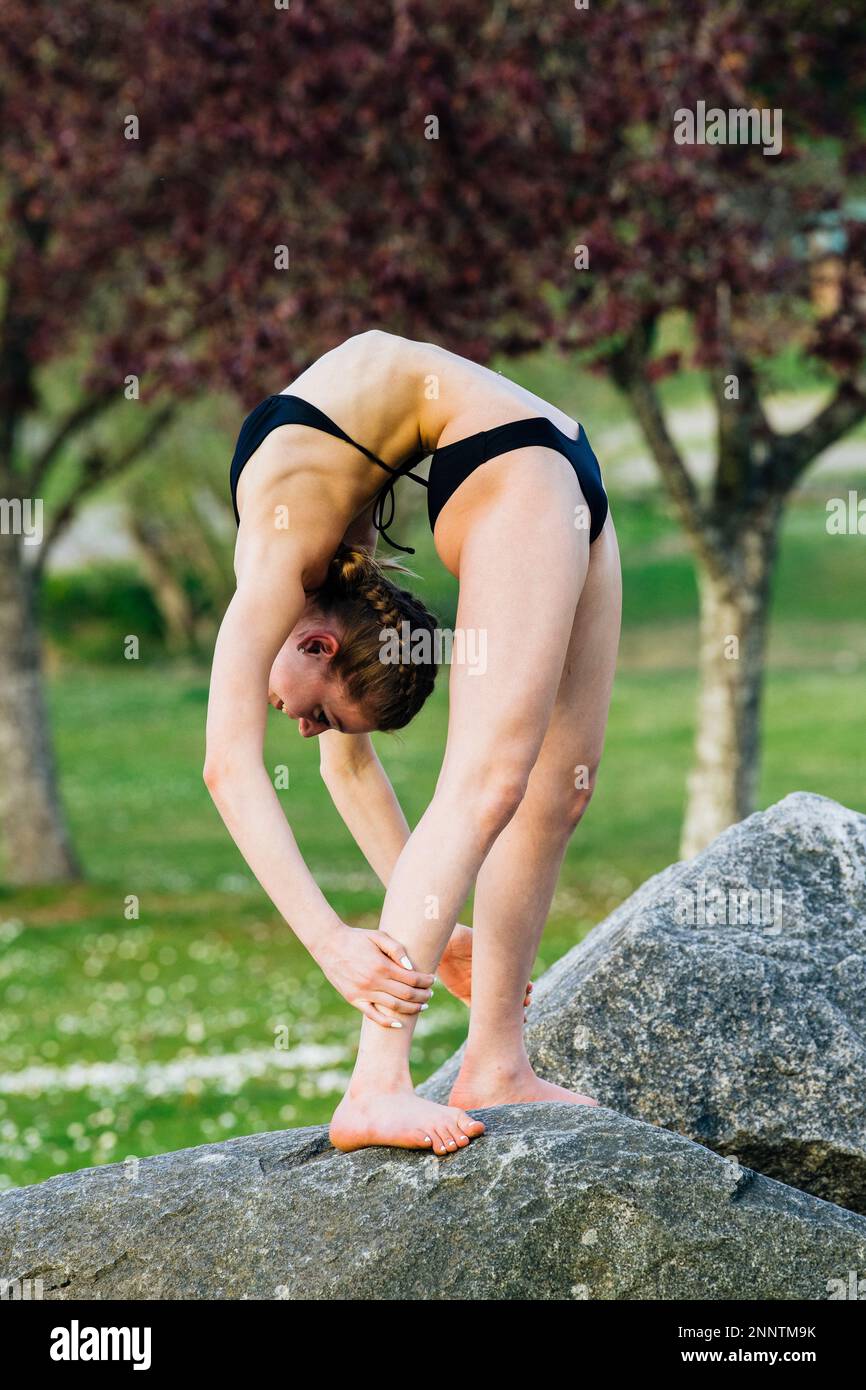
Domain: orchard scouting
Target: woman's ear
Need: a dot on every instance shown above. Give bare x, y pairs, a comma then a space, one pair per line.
322, 643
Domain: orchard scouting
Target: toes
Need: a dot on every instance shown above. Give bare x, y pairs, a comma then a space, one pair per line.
453, 1134
469, 1126
423, 1138
439, 1141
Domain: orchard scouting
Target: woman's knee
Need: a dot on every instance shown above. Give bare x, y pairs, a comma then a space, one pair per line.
488, 795
576, 806
562, 808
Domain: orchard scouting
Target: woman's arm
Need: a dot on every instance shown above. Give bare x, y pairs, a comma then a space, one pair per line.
234, 769
351, 770
270, 599
365, 799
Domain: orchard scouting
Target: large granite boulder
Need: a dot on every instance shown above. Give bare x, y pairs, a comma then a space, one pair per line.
553, 1202
749, 1035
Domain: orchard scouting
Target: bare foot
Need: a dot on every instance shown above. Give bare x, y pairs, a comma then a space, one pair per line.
475, 1090
401, 1120
455, 967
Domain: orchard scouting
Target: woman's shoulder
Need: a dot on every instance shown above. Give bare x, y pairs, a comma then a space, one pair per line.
373, 378
376, 341
367, 365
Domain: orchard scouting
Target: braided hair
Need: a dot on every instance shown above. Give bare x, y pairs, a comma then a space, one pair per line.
359, 593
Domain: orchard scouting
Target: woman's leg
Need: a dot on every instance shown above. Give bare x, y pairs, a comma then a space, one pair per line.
522, 564
517, 880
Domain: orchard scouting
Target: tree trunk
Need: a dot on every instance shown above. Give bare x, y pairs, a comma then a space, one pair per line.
35, 843
169, 595
722, 785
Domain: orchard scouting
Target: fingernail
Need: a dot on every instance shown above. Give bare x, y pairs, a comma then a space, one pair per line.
404, 960
395, 1024
424, 1006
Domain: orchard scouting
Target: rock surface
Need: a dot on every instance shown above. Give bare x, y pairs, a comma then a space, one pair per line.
747, 1037
552, 1202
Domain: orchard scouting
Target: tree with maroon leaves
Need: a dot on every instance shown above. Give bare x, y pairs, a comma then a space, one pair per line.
504, 141
147, 192
82, 271
209, 193
453, 169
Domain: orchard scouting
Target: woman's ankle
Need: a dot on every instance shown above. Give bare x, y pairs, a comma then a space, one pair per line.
364, 1084
482, 1062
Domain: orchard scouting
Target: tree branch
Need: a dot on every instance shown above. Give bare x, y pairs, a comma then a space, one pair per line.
743, 435
97, 469
76, 420
792, 453
628, 367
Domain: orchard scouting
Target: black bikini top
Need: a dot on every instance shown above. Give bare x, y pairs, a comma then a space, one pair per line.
293, 410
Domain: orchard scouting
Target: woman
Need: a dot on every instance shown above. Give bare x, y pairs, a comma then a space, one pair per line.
520, 517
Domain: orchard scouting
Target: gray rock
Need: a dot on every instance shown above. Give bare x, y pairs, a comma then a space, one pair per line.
553, 1202
747, 1037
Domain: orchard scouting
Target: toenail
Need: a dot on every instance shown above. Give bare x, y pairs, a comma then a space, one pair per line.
395, 1024
427, 1139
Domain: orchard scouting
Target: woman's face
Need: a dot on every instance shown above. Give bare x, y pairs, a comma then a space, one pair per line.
302, 687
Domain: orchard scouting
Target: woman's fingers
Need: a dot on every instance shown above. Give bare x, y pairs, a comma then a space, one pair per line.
406, 992
393, 949
402, 1006
378, 1016
405, 971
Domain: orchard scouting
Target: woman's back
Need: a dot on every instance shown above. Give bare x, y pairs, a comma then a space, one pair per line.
401, 398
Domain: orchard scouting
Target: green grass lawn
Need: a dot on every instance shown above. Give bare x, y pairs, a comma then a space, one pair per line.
128, 1035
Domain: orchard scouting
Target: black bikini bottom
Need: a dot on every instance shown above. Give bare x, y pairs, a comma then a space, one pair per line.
452, 465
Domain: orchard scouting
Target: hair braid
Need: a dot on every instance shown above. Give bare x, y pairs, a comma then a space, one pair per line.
358, 591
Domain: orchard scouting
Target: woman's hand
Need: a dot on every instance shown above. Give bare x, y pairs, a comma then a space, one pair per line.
373, 972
